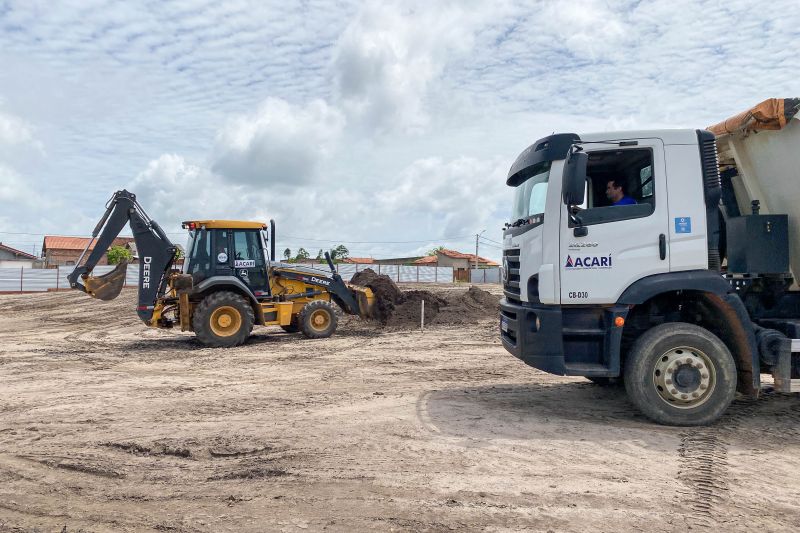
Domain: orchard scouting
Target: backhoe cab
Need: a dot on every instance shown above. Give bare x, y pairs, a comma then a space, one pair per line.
228, 282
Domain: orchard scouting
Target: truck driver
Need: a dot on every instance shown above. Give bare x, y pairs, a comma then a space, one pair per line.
615, 192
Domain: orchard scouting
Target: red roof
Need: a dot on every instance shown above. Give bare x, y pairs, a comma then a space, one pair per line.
455, 255
16, 252
57, 242
426, 260
360, 260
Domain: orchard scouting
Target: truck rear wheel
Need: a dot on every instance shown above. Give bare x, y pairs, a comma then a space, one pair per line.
679, 374
317, 319
223, 319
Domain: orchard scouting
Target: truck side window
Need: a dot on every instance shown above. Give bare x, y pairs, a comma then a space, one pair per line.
619, 174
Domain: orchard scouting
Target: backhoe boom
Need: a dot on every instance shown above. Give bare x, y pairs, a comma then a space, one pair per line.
156, 255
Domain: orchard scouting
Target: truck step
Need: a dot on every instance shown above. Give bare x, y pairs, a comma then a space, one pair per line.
586, 369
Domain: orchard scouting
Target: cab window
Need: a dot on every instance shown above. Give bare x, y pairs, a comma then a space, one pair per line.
247, 246
620, 185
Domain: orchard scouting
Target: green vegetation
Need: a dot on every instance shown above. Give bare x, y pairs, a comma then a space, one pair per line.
117, 254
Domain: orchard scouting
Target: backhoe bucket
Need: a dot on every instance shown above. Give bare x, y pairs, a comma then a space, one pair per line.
366, 302
108, 286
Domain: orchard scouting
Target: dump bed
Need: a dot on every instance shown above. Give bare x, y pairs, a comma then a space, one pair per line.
763, 145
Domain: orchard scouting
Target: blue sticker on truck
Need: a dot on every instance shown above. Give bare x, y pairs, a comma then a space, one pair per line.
683, 224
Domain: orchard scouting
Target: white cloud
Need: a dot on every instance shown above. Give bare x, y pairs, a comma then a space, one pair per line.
280, 144
437, 197
389, 56
15, 133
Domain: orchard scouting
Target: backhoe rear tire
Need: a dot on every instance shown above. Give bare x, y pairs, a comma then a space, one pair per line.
223, 319
317, 320
680, 374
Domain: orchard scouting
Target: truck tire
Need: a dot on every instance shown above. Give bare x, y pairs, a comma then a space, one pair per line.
680, 374
223, 319
317, 320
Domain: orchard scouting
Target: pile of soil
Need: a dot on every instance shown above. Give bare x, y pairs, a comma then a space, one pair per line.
402, 309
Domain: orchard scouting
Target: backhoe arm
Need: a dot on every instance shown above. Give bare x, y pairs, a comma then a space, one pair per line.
156, 255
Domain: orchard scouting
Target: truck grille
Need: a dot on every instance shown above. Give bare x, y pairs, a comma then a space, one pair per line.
511, 285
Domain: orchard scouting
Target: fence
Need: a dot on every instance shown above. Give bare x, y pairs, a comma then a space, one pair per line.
400, 273
43, 279
484, 275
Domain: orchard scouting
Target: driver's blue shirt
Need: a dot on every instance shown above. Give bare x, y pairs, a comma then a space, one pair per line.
625, 200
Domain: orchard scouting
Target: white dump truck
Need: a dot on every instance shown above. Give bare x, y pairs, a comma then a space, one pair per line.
663, 259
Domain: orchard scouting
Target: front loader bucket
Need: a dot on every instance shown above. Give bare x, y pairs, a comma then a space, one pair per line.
366, 302
108, 286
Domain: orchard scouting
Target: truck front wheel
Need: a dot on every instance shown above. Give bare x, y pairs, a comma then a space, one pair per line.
317, 320
679, 374
223, 319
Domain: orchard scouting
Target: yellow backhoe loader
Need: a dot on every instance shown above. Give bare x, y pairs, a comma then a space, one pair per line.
229, 281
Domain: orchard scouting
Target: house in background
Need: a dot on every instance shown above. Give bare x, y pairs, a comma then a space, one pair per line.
65, 251
360, 260
13, 258
460, 262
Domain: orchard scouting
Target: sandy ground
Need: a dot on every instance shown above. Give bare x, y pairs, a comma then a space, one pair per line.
106, 425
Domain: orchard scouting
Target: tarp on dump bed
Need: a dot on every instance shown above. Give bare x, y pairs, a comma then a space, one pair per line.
771, 114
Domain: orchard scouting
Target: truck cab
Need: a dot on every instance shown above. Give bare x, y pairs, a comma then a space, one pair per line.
638, 291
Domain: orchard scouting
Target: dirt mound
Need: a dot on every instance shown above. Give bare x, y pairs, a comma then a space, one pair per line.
403, 309
387, 294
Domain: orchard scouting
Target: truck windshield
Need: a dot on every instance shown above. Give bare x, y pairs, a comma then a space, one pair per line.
530, 195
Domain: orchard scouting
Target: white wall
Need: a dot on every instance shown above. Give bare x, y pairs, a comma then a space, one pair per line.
15, 263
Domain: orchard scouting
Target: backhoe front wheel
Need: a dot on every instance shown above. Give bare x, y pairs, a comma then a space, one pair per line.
317, 320
223, 319
679, 374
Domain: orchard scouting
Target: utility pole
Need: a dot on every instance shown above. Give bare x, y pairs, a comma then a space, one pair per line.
477, 236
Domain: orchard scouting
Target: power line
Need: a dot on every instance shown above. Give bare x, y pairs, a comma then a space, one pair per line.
491, 240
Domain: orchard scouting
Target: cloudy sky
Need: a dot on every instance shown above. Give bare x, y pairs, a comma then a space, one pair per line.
386, 126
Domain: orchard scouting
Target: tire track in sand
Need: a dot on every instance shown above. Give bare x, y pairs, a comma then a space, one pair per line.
703, 467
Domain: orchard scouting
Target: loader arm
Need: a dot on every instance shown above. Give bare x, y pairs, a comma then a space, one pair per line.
156, 255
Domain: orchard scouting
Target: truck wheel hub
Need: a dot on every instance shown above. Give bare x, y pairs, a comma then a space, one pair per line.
684, 377
320, 319
225, 321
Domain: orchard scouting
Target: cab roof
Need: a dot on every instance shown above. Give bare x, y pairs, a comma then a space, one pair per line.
225, 224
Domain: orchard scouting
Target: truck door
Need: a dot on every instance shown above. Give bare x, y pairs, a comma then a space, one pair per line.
248, 260
622, 243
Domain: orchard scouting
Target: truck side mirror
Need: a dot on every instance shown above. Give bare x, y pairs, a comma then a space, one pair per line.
574, 180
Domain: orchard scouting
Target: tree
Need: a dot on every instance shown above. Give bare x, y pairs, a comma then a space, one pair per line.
320, 255
340, 252
287, 254
302, 254
116, 254
433, 251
